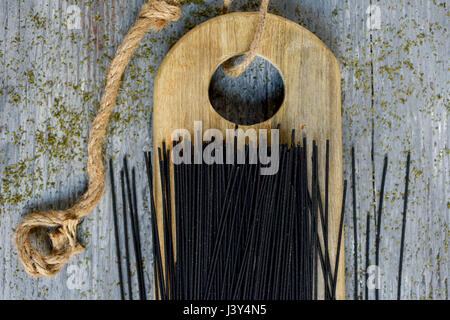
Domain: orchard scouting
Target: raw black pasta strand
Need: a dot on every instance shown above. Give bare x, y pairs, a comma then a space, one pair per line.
132, 210
166, 227
181, 233
125, 228
306, 231
366, 287
338, 250
168, 192
318, 211
116, 229
296, 232
380, 211
307, 274
355, 229
289, 248
209, 221
288, 225
140, 265
198, 221
187, 227
402, 241
328, 278
178, 220
188, 230
314, 218
159, 282
301, 228
325, 223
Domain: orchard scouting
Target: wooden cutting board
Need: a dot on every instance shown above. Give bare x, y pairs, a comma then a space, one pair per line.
312, 103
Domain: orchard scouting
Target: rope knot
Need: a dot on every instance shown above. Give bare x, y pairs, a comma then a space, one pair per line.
63, 239
158, 12
65, 236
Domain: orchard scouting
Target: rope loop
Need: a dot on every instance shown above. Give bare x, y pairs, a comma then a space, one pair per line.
63, 238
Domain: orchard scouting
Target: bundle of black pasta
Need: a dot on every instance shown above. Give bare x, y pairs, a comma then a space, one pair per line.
243, 235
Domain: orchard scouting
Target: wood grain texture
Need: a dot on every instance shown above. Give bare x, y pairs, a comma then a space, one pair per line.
52, 77
311, 106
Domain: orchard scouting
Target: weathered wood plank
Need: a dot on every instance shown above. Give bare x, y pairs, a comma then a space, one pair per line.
52, 78
410, 55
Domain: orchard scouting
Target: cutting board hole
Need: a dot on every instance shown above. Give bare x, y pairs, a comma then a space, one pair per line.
253, 97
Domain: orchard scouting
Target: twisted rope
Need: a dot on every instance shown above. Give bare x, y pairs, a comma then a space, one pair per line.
154, 15
237, 70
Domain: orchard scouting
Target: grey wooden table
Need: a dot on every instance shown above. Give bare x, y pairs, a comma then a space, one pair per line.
395, 90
